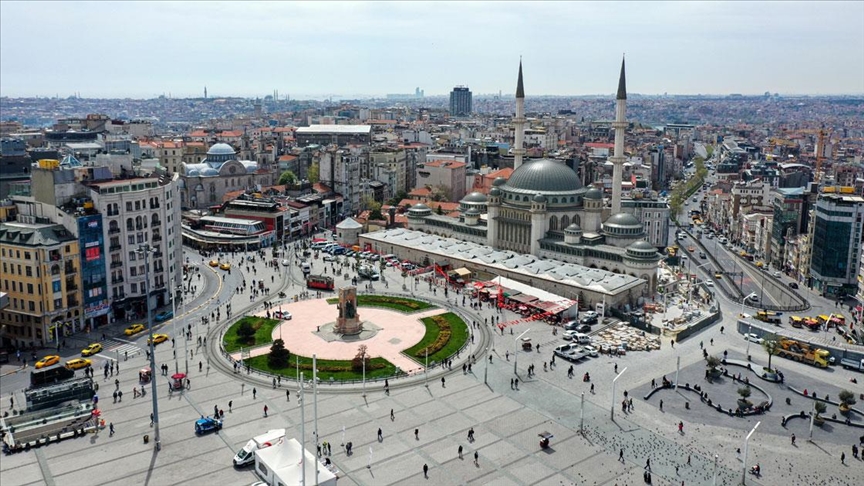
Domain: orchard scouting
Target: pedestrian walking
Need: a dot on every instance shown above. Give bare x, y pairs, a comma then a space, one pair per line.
621, 455
288, 395
200, 365
843, 458
111, 429
511, 383
680, 427
151, 419
265, 410
592, 388
460, 452
442, 382
793, 439
712, 341
648, 464
476, 458
471, 434
254, 392
416, 434
380, 434
425, 471
616, 368
688, 459
392, 416
230, 404
661, 405
516, 382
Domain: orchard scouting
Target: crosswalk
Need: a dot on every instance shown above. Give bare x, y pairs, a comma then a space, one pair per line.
113, 347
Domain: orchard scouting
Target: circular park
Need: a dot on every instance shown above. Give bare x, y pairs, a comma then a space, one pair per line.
352, 337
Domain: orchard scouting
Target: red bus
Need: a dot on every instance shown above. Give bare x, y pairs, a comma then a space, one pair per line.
321, 282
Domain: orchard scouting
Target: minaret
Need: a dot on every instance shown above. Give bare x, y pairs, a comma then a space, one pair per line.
519, 122
618, 158
205, 92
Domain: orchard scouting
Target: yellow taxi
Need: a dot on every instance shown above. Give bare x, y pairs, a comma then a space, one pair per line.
78, 363
133, 329
91, 350
225, 266
214, 263
760, 264
718, 275
49, 360
158, 338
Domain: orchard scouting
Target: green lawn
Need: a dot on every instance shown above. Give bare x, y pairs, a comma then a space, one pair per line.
458, 335
400, 304
345, 373
263, 333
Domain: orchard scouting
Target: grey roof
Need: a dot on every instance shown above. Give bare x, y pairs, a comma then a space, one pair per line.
543, 176
623, 220
556, 271
221, 149
593, 193
24, 234
472, 212
622, 84
642, 245
573, 228
349, 223
495, 192
477, 197
499, 181
520, 91
540, 198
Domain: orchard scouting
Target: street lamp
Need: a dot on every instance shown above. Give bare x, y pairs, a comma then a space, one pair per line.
612, 410
516, 354
747, 441
145, 251
749, 323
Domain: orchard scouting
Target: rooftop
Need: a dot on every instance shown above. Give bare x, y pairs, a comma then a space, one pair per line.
313, 129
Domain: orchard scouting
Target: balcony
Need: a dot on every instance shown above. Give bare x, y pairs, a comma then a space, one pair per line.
115, 247
117, 280
157, 238
113, 231
69, 269
156, 223
158, 254
71, 287
116, 264
70, 302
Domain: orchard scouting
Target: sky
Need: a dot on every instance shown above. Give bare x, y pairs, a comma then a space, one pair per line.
357, 49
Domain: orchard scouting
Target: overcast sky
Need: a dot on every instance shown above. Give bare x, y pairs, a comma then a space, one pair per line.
318, 49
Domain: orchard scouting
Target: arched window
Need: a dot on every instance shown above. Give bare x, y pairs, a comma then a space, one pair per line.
565, 221
130, 225
577, 219
554, 200
553, 223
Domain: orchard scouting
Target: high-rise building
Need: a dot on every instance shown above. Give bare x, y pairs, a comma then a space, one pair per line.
837, 236
460, 101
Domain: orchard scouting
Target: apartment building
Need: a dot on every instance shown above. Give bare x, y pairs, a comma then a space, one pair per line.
445, 173
41, 275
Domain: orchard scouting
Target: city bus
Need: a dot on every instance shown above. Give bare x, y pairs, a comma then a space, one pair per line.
320, 282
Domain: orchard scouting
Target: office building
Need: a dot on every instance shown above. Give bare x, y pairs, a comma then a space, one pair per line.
460, 101
836, 250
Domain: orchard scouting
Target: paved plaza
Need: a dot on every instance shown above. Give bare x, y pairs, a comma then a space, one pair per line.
506, 419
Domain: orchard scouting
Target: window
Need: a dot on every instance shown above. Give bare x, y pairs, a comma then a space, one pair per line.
26, 255
137, 205
128, 205
134, 288
31, 305
29, 271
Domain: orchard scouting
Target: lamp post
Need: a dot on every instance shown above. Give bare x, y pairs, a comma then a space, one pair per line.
486, 369
516, 353
746, 442
145, 251
174, 320
749, 324
612, 410
426, 368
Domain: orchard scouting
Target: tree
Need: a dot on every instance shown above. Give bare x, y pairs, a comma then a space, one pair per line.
287, 178
440, 210
440, 192
820, 407
847, 398
278, 357
399, 196
771, 345
359, 358
745, 393
313, 173
712, 362
246, 332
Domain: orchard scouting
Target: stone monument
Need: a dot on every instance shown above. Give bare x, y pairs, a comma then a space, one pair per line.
348, 321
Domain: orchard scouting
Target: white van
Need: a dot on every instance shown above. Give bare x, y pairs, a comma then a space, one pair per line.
581, 339
246, 455
306, 267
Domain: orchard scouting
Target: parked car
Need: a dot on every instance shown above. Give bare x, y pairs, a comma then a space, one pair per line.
567, 351
164, 316
589, 320
285, 263
753, 338
329, 258
214, 263
207, 424
583, 328
91, 350
793, 285
591, 351
225, 266
702, 255
568, 335
285, 315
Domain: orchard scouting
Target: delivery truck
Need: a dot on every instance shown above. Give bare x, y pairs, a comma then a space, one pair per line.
853, 364
246, 455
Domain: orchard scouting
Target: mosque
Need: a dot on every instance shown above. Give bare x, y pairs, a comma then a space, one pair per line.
544, 210
205, 184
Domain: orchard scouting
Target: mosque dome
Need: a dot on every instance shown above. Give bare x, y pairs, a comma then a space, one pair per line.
540, 198
593, 193
543, 176
475, 197
499, 181
641, 249
221, 149
624, 225
573, 228
209, 172
495, 192
419, 209
472, 212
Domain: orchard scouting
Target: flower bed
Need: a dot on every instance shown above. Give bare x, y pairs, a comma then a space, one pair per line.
445, 334
400, 304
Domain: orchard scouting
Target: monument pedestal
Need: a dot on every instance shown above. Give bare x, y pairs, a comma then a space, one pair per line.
349, 321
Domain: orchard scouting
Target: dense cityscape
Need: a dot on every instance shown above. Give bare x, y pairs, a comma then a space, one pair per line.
688, 271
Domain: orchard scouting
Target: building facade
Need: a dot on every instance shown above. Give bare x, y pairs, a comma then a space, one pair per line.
41, 275
836, 249
461, 103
